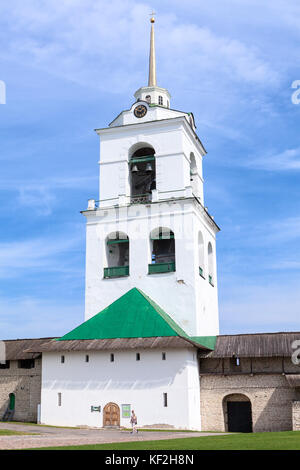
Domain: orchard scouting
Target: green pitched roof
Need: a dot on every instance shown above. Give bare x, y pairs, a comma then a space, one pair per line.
134, 315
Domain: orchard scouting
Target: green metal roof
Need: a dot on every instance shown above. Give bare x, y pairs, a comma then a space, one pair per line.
134, 315
207, 341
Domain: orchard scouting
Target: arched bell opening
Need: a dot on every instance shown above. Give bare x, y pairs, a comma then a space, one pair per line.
142, 174
117, 255
210, 264
193, 174
201, 254
162, 247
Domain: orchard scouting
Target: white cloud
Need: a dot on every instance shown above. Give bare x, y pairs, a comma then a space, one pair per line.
276, 233
285, 264
39, 199
205, 50
286, 229
42, 195
37, 255
111, 40
283, 161
247, 307
34, 317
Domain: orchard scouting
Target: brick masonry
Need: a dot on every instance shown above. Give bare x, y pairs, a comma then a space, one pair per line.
26, 385
296, 415
272, 399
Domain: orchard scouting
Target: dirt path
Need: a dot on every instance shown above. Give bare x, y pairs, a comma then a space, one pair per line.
54, 437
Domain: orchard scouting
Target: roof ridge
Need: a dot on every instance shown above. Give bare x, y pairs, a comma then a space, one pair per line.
28, 339
260, 334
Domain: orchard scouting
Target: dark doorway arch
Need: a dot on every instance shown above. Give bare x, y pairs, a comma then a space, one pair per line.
111, 416
238, 413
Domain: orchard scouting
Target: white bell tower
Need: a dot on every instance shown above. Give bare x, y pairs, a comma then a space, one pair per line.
150, 228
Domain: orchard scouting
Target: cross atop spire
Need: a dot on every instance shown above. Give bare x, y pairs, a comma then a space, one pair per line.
152, 61
152, 93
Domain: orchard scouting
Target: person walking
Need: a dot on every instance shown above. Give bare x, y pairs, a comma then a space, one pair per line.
133, 421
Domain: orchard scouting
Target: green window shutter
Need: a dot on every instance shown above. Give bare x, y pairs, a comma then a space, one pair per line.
118, 271
113, 242
161, 268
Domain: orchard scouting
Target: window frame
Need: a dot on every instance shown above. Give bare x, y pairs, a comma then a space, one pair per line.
165, 400
26, 364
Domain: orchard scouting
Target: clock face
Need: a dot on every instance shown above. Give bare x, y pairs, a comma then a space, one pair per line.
140, 111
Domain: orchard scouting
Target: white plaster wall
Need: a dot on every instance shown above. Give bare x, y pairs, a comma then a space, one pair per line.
206, 295
154, 92
197, 184
194, 393
125, 381
153, 114
173, 142
190, 300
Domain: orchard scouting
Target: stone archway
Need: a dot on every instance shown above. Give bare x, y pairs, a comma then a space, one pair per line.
237, 413
111, 416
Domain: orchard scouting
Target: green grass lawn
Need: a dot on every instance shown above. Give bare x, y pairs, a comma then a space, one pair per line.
8, 432
259, 441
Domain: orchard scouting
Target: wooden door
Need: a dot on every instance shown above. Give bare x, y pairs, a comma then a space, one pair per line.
12, 401
111, 415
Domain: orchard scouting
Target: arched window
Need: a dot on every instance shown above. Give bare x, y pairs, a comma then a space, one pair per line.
117, 255
162, 243
160, 100
210, 264
193, 173
148, 99
201, 255
142, 174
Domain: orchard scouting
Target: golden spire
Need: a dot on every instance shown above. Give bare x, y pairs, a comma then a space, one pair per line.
152, 62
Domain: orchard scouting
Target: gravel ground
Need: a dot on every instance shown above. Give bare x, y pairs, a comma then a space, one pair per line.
54, 437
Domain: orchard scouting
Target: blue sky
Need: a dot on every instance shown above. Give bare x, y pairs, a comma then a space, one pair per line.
71, 66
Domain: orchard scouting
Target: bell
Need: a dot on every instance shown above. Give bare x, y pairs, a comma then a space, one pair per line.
134, 169
148, 168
